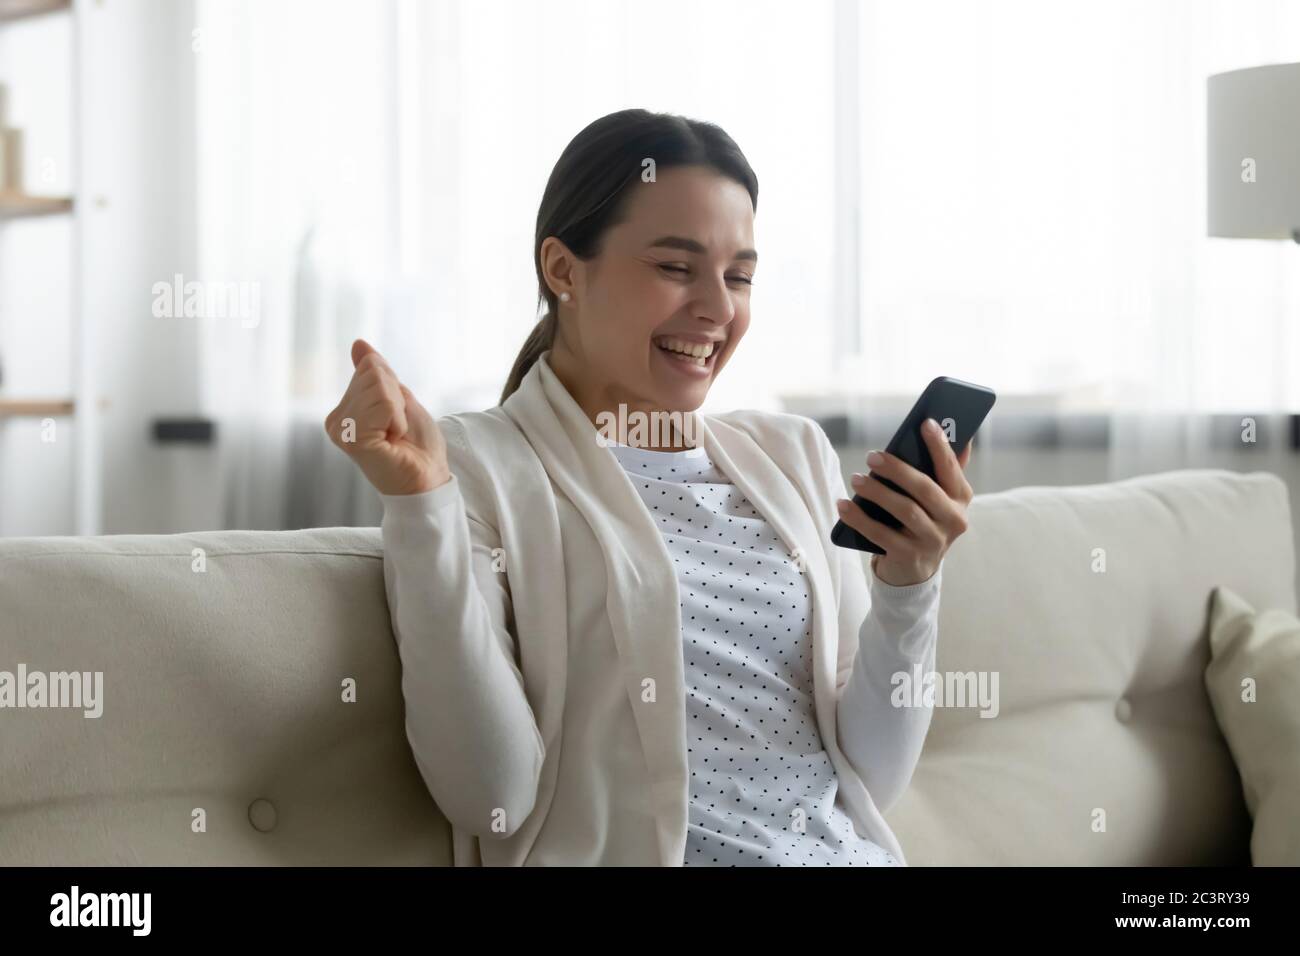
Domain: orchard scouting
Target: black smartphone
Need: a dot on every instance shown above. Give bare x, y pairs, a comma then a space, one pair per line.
959, 408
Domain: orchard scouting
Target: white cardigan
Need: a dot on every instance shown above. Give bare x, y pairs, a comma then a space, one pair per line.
536, 611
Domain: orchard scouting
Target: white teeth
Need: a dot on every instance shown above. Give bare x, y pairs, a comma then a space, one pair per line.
700, 351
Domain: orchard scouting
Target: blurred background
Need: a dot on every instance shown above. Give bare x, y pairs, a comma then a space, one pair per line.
205, 201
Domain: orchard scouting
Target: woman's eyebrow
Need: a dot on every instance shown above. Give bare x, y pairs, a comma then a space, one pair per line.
690, 245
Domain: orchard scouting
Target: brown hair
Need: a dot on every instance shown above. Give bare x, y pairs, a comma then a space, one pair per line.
584, 195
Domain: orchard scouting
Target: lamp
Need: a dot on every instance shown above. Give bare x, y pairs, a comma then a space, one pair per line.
1253, 153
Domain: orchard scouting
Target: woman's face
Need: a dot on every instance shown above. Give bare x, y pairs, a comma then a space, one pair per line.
675, 273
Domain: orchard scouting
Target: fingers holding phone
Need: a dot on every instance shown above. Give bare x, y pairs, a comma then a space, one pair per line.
930, 520
912, 505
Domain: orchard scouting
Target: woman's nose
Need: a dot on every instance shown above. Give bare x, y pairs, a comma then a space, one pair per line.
716, 303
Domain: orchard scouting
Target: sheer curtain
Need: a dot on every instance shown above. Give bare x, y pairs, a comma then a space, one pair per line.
1033, 185
1023, 207
377, 168
297, 195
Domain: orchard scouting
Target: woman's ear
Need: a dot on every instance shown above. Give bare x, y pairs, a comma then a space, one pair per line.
558, 268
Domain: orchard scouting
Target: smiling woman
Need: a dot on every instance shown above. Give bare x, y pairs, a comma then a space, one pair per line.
644, 253
677, 666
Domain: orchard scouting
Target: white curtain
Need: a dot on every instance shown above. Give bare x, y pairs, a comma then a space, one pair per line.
1027, 210
297, 194
1033, 184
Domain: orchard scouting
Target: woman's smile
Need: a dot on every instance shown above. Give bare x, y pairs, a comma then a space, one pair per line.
688, 355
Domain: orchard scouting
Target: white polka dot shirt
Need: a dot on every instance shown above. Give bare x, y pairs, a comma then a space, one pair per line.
763, 791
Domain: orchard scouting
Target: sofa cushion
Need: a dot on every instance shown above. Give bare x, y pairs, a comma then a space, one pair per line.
1254, 685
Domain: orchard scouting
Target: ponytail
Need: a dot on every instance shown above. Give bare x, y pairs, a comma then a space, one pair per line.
539, 340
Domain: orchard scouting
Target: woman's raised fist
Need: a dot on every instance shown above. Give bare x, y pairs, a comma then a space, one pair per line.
379, 424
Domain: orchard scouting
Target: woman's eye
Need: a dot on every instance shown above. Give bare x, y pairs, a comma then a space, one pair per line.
677, 269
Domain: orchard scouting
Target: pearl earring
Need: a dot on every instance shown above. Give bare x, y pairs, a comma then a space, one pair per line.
564, 297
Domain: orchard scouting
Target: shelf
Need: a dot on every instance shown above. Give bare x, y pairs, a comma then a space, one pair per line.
19, 205
30, 408
21, 9
61, 23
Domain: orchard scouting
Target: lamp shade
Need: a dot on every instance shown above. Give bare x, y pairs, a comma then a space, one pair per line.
1253, 156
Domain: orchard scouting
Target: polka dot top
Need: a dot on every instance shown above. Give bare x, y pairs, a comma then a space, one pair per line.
763, 791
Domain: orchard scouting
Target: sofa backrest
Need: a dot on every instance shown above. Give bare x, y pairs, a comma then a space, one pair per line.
1090, 603
223, 691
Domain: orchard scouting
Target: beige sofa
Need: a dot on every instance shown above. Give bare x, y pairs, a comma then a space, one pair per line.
225, 736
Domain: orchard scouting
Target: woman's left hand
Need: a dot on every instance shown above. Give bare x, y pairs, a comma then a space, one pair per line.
933, 518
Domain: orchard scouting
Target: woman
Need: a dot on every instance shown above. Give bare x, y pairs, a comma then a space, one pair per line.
628, 650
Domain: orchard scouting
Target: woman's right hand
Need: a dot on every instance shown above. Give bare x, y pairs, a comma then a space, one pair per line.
379, 424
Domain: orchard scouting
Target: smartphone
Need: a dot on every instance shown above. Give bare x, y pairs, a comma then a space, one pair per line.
959, 408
